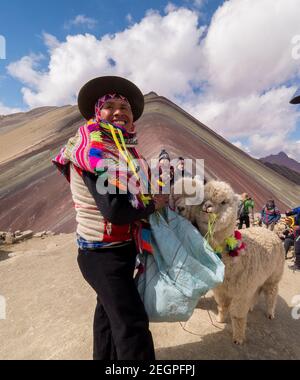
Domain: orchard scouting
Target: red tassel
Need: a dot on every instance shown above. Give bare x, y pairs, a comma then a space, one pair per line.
237, 235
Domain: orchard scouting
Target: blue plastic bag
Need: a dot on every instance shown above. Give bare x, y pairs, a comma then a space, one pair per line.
181, 269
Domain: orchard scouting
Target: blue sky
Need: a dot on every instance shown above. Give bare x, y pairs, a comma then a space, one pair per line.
214, 58
22, 23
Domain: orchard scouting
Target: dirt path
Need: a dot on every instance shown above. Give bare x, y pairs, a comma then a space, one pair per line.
49, 311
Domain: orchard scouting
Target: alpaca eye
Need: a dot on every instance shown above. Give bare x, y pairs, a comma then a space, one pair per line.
223, 203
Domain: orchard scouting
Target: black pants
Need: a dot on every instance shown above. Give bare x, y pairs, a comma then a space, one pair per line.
288, 243
121, 325
244, 219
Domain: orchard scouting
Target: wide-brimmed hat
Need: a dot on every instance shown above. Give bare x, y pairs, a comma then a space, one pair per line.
98, 87
296, 98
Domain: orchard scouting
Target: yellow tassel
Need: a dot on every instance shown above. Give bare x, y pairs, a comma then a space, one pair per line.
219, 249
210, 228
231, 242
160, 183
145, 199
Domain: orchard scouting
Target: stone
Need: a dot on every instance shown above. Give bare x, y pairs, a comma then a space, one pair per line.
39, 234
9, 238
25, 235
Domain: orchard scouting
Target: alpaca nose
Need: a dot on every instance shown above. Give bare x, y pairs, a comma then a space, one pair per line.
207, 207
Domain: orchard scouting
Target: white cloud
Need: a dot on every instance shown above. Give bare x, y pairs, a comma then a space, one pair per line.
50, 41
4, 110
26, 70
195, 4
262, 145
81, 20
129, 18
170, 7
248, 46
292, 149
243, 67
199, 3
259, 146
249, 68
236, 117
164, 65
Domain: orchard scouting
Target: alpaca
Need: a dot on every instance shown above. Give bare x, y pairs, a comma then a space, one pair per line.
257, 269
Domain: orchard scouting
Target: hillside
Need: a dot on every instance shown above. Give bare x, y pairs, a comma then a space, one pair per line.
290, 174
33, 195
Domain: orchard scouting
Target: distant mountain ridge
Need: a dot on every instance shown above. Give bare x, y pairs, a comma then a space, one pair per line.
282, 159
288, 173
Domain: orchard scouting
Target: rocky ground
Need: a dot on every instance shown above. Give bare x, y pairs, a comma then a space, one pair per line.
49, 311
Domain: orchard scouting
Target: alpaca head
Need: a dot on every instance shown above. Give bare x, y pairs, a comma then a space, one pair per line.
219, 199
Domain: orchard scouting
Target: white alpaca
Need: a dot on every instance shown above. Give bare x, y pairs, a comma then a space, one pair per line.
258, 269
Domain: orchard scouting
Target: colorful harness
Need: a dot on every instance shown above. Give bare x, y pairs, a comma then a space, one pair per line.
233, 245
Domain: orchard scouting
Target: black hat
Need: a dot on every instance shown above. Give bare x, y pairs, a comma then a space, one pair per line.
98, 87
296, 98
164, 155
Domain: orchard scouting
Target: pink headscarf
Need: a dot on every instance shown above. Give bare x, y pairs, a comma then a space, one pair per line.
103, 100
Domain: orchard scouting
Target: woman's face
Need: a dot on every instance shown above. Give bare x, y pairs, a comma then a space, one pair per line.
118, 111
164, 163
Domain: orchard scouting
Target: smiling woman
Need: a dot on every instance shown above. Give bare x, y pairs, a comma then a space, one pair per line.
109, 224
118, 111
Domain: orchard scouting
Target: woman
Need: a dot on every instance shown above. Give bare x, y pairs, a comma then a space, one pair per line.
270, 214
108, 222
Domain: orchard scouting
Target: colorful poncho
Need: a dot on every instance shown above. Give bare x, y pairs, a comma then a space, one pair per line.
108, 150
269, 216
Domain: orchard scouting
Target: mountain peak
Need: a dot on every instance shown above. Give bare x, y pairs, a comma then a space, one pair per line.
151, 94
282, 154
282, 159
